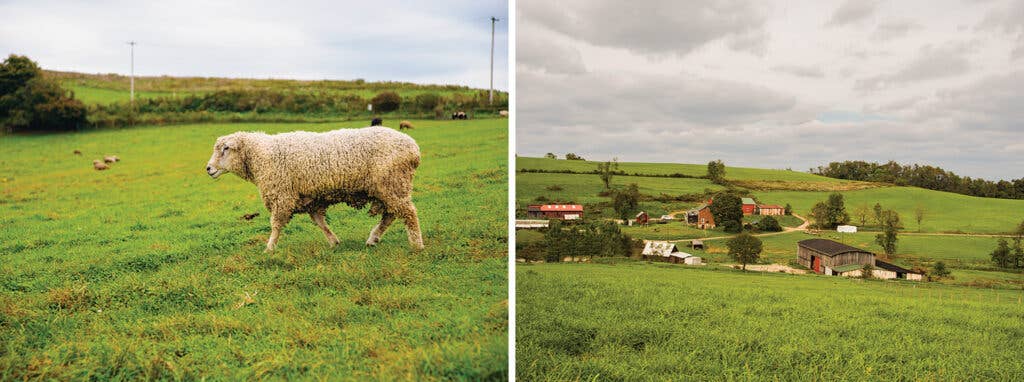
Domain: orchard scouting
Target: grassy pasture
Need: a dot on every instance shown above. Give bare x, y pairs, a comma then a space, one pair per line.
584, 189
147, 271
739, 173
634, 321
944, 211
105, 89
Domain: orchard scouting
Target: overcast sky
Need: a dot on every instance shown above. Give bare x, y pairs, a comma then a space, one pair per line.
775, 84
442, 42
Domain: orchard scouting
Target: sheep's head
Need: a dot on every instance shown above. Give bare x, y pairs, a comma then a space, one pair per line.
227, 156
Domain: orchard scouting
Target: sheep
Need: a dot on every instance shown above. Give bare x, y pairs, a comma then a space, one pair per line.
99, 165
111, 159
405, 125
304, 172
503, 113
377, 122
78, 152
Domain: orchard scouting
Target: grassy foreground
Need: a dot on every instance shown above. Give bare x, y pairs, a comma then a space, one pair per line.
636, 321
146, 270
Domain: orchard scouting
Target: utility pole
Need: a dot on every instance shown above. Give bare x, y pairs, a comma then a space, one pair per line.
490, 95
132, 44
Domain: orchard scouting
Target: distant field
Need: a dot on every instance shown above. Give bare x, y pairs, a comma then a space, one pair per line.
637, 321
584, 188
944, 211
103, 89
147, 271
672, 168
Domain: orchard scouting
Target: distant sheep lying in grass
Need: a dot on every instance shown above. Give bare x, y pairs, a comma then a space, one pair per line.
99, 165
405, 125
111, 159
304, 172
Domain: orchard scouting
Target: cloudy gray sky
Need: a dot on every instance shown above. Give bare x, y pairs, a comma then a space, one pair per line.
775, 84
446, 42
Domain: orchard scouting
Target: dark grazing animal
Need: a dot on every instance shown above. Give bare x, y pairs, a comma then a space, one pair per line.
377, 122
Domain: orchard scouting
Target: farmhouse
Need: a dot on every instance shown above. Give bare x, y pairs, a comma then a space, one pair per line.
701, 216
663, 250
770, 209
555, 211
834, 258
748, 206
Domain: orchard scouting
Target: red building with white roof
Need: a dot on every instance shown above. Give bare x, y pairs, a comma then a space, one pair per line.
555, 211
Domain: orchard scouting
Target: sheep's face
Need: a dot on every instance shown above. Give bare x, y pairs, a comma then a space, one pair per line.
226, 156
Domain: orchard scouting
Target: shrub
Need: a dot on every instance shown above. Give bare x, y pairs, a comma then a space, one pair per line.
29, 102
427, 102
386, 101
769, 224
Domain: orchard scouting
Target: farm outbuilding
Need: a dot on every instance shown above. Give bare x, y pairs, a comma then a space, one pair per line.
846, 228
825, 256
770, 209
555, 211
697, 244
749, 206
834, 258
642, 218
701, 216
667, 251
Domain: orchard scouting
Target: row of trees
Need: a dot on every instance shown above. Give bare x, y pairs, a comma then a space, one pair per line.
1010, 256
586, 240
924, 176
31, 102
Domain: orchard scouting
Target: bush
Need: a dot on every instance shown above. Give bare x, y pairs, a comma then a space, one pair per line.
427, 102
731, 226
386, 101
769, 224
29, 102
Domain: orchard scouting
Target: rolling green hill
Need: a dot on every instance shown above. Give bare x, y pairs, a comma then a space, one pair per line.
630, 320
148, 271
110, 88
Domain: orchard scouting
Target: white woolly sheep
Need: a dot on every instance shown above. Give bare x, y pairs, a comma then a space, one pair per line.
111, 159
405, 125
503, 113
99, 165
304, 172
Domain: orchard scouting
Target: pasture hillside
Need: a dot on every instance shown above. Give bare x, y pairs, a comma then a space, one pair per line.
148, 270
109, 88
630, 320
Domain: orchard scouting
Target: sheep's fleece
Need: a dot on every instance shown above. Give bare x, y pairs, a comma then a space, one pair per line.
304, 172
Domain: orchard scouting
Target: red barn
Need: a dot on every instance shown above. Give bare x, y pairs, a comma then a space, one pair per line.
555, 211
748, 206
642, 218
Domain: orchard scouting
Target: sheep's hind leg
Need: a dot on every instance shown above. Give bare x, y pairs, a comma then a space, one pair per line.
385, 221
318, 218
407, 212
277, 222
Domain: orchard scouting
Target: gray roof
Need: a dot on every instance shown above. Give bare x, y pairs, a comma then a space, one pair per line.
829, 247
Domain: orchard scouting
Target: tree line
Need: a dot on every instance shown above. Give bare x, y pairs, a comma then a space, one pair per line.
31, 102
923, 176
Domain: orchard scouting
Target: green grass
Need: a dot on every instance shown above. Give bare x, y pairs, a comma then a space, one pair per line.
584, 189
636, 321
737, 173
944, 211
105, 89
147, 271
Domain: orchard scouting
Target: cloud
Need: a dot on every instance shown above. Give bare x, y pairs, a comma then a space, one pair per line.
892, 30
853, 11
657, 27
992, 103
383, 40
932, 62
800, 70
538, 48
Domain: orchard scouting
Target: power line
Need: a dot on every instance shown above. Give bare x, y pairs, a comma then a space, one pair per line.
490, 94
132, 44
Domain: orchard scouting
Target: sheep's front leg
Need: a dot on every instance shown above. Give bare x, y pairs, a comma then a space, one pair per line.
385, 221
318, 218
278, 220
